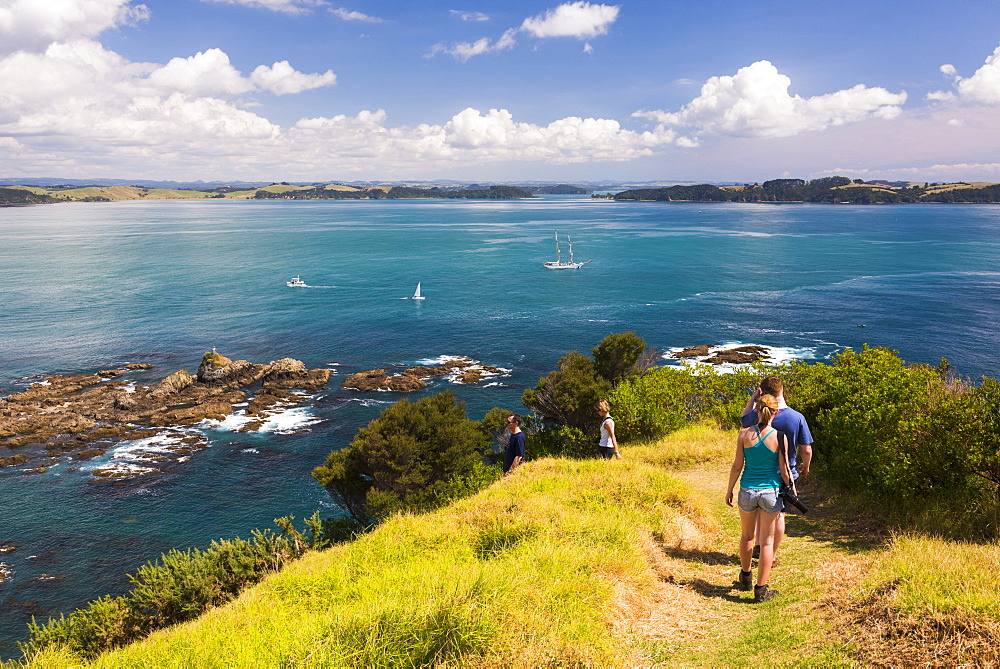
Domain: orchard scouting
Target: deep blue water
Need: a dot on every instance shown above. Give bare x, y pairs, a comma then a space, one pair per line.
95, 286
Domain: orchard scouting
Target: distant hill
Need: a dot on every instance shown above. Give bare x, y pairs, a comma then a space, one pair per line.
283, 191
561, 189
16, 196
828, 190
391, 193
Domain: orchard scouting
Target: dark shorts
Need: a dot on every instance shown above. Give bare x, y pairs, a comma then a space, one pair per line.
607, 452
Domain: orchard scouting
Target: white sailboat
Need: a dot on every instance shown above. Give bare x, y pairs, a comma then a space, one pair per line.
416, 293
558, 264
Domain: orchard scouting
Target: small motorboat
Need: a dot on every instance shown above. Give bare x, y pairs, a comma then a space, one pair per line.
296, 282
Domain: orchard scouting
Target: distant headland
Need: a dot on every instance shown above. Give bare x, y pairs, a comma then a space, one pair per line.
826, 190
25, 195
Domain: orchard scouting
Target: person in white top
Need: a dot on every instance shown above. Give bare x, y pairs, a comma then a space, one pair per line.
608, 445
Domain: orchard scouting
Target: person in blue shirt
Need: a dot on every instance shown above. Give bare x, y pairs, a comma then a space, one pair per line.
793, 427
761, 470
514, 455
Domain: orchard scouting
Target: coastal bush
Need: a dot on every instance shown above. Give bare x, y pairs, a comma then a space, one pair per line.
559, 441
567, 395
651, 405
179, 586
912, 437
615, 358
413, 457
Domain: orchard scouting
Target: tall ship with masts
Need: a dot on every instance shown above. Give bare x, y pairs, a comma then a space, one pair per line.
558, 264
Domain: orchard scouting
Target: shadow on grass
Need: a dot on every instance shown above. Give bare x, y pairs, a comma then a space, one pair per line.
726, 592
705, 557
834, 518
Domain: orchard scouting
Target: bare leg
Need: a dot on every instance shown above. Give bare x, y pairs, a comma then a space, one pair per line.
779, 531
748, 524
756, 533
768, 526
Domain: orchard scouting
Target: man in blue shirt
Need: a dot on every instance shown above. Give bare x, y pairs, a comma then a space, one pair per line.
514, 455
793, 426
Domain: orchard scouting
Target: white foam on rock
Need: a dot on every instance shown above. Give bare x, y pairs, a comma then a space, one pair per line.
774, 355
280, 421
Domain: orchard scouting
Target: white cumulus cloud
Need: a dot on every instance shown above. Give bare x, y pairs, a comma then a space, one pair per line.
282, 79
469, 16
982, 88
572, 19
463, 51
350, 15
581, 20
755, 103
31, 25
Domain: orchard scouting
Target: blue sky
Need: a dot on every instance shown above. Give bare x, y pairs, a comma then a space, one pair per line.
319, 90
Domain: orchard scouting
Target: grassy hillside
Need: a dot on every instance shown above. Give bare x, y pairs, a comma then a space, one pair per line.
609, 564
125, 193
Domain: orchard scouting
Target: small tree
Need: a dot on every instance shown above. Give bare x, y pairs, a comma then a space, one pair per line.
412, 457
567, 396
617, 355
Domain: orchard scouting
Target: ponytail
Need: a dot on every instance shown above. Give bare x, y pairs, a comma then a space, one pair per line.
766, 406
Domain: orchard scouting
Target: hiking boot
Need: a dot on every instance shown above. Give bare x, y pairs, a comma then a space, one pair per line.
756, 553
762, 594
746, 580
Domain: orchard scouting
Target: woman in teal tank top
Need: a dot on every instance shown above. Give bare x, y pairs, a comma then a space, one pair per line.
760, 469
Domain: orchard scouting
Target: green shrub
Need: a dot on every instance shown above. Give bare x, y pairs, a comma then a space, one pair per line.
567, 395
615, 358
177, 587
659, 401
413, 457
558, 441
910, 436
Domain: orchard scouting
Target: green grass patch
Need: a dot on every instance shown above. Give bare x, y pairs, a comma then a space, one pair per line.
524, 573
931, 576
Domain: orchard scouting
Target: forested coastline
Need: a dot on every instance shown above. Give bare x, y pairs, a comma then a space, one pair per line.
827, 190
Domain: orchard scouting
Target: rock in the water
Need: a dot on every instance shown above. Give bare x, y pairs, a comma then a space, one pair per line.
291, 373
86, 414
699, 351
741, 355
173, 384
377, 379
18, 459
217, 369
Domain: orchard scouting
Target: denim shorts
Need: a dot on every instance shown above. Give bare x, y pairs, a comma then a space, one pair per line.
765, 499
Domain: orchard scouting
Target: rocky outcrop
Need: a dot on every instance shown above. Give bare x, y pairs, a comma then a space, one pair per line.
174, 383
379, 379
219, 370
83, 415
740, 355
465, 370
699, 351
289, 373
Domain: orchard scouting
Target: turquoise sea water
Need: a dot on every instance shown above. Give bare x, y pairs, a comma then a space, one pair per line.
95, 286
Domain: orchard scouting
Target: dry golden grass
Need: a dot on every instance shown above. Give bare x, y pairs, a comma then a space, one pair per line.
126, 193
